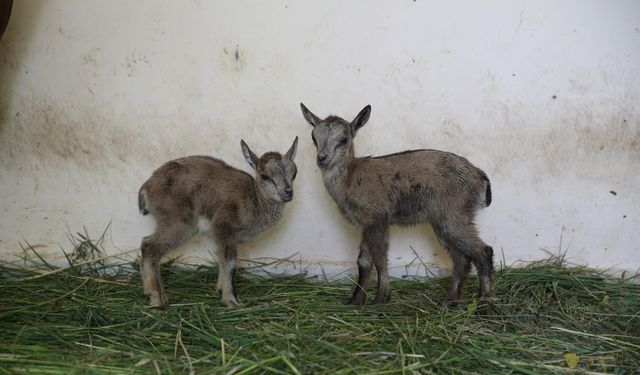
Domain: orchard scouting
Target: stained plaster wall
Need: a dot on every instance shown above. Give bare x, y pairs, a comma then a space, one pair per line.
542, 95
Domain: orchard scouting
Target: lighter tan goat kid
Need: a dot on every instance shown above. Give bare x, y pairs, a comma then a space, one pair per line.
410, 187
202, 194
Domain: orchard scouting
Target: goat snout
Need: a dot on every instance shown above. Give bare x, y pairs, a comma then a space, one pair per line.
287, 195
322, 160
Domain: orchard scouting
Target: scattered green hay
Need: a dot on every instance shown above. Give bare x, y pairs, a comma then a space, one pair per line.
548, 319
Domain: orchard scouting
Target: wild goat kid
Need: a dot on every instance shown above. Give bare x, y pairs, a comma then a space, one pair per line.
410, 187
202, 194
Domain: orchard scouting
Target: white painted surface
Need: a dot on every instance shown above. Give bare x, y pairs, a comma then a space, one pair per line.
541, 95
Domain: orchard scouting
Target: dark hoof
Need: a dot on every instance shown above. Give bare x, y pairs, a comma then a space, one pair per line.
450, 303
384, 298
356, 301
487, 306
158, 300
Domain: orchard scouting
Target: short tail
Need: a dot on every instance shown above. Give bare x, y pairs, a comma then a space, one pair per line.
487, 194
142, 202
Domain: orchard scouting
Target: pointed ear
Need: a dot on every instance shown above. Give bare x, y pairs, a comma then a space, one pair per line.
291, 154
310, 117
249, 156
360, 119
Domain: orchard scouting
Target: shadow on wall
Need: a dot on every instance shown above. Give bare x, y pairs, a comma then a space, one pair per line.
5, 12
16, 28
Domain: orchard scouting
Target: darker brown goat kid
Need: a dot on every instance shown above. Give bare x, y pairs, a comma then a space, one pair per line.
202, 194
410, 187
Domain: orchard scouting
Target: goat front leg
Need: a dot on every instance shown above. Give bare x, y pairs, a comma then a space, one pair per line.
227, 260
378, 239
359, 296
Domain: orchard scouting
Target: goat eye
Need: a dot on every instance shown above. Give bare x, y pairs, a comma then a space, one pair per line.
342, 143
294, 175
265, 177
313, 138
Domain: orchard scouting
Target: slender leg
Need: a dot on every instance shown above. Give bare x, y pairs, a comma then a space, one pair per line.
465, 246
374, 247
222, 266
227, 260
224, 231
461, 267
153, 248
484, 265
364, 271
151, 279
379, 238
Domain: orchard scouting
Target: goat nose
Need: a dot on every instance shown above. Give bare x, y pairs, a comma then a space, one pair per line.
288, 194
322, 158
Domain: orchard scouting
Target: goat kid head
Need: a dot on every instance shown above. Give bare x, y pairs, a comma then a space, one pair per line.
333, 136
274, 172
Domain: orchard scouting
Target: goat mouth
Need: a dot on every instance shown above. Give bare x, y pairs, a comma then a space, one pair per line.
286, 198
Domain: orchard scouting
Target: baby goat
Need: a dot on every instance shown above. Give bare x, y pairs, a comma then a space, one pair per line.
410, 187
202, 194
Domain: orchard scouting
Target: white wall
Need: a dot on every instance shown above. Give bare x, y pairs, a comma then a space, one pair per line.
541, 95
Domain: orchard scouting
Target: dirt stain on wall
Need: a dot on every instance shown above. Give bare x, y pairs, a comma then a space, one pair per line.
233, 58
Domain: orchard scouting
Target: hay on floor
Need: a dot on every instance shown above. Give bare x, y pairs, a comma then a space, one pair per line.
93, 318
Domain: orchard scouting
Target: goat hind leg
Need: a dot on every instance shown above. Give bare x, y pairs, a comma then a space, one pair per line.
484, 265
151, 278
153, 248
461, 267
464, 245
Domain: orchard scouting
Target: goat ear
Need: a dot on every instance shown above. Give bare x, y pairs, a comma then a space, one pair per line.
312, 119
360, 119
291, 154
249, 156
